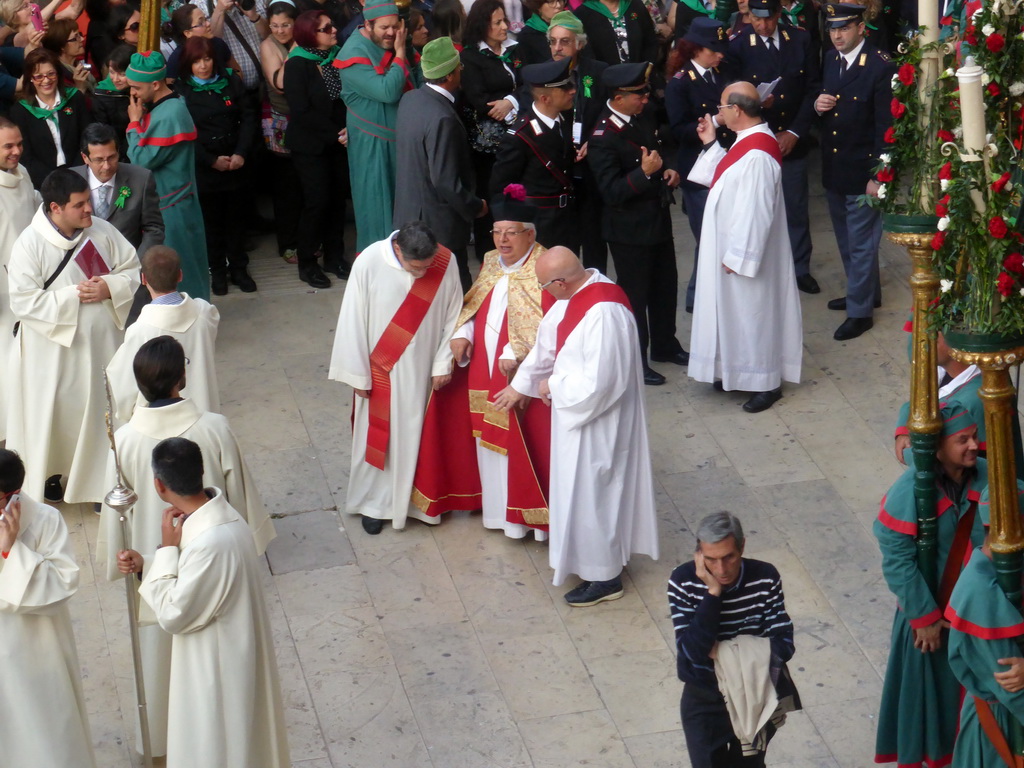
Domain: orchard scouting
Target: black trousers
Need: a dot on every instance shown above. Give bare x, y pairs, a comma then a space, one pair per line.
648, 275
287, 199
710, 741
591, 213
325, 190
483, 242
224, 210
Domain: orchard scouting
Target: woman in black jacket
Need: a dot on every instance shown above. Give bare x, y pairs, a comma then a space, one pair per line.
226, 126
490, 79
619, 31
110, 101
532, 40
317, 137
52, 116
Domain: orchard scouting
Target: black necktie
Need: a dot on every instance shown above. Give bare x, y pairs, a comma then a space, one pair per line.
842, 66
773, 51
709, 78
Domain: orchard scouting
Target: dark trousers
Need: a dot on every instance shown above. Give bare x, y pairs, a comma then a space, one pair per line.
224, 212
591, 212
798, 222
710, 741
325, 188
287, 200
483, 242
858, 229
462, 259
647, 273
695, 201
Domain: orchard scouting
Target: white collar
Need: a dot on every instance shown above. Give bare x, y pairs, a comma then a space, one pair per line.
548, 121
700, 70
505, 45
95, 183
774, 36
13, 178
759, 128
954, 384
852, 55
622, 117
518, 265
444, 92
44, 105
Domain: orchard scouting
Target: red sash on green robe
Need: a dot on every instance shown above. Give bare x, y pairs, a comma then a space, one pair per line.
582, 302
390, 347
762, 141
385, 61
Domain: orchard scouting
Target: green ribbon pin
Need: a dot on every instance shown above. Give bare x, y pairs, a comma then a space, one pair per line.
122, 194
587, 82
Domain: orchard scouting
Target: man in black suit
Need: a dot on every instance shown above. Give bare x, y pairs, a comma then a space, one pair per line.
437, 184
123, 194
855, 112
625, 157
767, 52
538, 153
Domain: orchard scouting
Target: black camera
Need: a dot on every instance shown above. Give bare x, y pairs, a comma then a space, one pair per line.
246, 5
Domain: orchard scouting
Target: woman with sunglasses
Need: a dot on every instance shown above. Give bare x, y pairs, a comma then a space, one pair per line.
64, 39
51, 116
317, 138
118, 25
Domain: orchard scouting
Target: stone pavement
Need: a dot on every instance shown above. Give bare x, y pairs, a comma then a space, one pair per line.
447, 646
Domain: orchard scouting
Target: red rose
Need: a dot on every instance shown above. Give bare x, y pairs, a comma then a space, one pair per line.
946, 171
1000, 184
890, 135
897, 109
993, 89
907, 73
1005, 284
886, 175
1014, 263
938, 240
995, 42
945, 135
941, 209
971, 36
997, 227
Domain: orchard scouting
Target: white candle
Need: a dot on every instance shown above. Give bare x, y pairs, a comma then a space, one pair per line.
928, 16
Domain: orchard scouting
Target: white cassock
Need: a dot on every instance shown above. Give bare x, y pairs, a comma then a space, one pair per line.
602, 492
18, 203
225, 700
747, 327
55, 416
493, 466
44, 720
375, 290
193, 323
224, 467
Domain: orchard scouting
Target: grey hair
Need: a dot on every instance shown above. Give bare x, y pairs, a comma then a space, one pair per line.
529, 225
718, 526
748, 105
581, 39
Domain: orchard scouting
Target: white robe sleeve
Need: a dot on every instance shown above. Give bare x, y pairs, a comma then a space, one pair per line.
241, 492
601, 370
450, 290
540, 361
703, 170
184, 599
747, 235
40, 572
52, 313
121, 373
123, 278
350, 359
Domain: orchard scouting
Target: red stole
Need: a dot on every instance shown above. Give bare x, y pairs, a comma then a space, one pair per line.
581, 302
761, 141
385, 61
390, 347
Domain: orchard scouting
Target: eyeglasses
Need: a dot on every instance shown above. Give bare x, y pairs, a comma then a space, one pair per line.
134, 27
725, 106
41, 77
552, 280
501, 234
327, 29
281, 27
75, 39
201, 24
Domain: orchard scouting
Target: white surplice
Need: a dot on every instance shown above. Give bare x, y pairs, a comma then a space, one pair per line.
602, 492
223, 467
193, 323
43, 719
225, 704
55, 416
18, 203
493, 466
747, 327
375, 290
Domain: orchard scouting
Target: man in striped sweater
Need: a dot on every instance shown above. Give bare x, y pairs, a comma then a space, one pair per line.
714, 598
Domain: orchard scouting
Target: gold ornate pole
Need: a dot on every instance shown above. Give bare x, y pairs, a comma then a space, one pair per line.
149, 26
925, 423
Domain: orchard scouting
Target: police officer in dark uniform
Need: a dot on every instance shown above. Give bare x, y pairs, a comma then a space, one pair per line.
538, 153
855, 112
625, 156
770, 51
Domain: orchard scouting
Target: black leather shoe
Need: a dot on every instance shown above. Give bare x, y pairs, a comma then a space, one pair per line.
762, 401
219, 284
682, 357
594, 592
853, 327
652, 377
315, 277
341, 270
807, 284
52, 491
839, 304
372, 525
243, 280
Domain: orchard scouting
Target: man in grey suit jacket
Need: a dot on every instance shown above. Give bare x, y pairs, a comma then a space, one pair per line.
123, 194
433, 153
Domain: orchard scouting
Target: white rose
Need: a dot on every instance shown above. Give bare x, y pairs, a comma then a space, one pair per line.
943, 184
943, 223
885, 157
958, 132
895, 81
881, 191
1016, 89
985, 79
949, 73
987, 30
945, 285
1021, 291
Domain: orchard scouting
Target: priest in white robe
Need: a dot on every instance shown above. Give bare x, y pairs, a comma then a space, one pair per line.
44, 721
161, 371
72, 282
747, 328
193, 322
18, 202
391, 346
205, 586
586, 365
